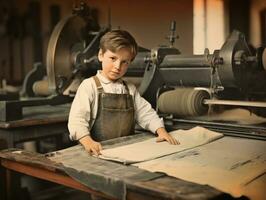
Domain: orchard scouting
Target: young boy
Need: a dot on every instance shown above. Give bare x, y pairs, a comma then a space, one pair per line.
107, 107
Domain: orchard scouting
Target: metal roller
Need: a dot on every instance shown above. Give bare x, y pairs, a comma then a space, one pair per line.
183, 102
41, 88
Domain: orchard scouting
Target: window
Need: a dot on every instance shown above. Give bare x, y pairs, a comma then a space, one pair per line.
208, 25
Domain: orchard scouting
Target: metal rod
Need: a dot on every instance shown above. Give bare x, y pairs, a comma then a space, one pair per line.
185, 61
235, 103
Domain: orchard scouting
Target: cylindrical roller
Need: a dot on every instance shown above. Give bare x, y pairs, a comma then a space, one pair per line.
183, 102
173, 61
41, 88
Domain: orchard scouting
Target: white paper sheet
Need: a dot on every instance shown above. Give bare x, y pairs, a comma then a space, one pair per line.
228, 164
150, 149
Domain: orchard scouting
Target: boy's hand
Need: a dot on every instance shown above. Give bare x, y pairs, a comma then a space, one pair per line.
164, 136
91, 146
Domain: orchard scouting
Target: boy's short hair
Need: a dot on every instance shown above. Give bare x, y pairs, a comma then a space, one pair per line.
117, 39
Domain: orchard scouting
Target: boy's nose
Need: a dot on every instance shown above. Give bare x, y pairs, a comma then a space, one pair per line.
117, 65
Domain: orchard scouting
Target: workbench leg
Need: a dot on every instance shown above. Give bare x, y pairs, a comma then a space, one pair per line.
10, 185
3, 189
7, 186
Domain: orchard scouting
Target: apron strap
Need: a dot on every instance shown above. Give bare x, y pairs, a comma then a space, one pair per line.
125, 84
98, 84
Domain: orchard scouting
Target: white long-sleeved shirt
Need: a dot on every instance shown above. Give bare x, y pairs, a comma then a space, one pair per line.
84, 107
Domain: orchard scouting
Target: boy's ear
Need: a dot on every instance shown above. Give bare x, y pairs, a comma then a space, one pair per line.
100, 55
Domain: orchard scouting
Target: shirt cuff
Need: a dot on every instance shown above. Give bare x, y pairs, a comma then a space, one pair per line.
80, 136
155, 124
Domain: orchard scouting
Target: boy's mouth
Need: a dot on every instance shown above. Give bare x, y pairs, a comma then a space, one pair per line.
115, 73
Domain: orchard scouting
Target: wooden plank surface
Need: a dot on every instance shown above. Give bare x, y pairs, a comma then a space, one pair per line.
172, 188
138, 183
37, 165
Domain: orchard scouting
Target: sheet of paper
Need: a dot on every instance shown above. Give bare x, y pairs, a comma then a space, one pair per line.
228, 164
150, 149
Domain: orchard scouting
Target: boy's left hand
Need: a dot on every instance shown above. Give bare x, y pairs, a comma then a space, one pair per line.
164, 136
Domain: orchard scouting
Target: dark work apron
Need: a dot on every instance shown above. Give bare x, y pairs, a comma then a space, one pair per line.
115, 114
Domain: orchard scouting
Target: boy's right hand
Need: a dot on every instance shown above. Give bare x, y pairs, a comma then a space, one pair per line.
91, 146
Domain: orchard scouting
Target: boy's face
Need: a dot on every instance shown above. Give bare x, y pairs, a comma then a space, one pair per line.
115, 64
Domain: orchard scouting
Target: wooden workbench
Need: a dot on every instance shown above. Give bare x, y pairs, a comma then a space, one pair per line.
129, 182
38, 122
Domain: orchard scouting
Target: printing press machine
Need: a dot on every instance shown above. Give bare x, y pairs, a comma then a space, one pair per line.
186, 91
233, 76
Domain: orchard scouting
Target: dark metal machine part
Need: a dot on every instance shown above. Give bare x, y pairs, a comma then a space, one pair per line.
70, 45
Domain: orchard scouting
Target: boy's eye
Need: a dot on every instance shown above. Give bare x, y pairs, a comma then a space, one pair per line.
126, 62
112, 58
